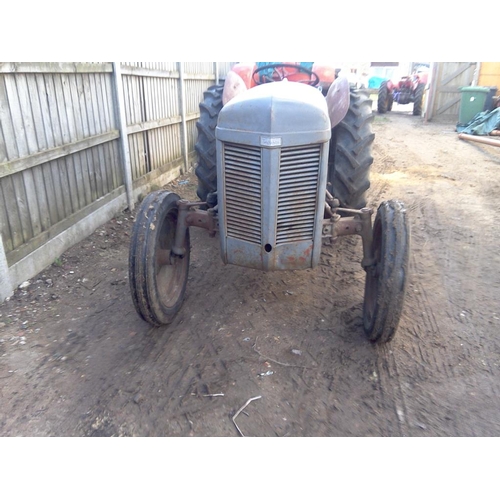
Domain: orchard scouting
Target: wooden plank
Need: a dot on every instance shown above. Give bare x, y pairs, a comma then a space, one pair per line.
84, 161
108, 154
30, 190
105, 166
17, 104
126, 99
153, 124
3, 148
104, 126
110, 123
101, 86
48, 208
32, 179
52, 213
119, 172
36, 111
61, 109
9, 150
461, 69
101, 121
16, 117
448, 90
147, 99
4, 220
150, 177
54, 67
98, 129
62, 181
142, 147
78, 167
20, 198
20, 164
115, 104
67, 109
62, 168
152, 148
26, 101
132, 141
127, 103
110, 99
155, 94
46, 198
92, 132
54, 132
136, 71
108, 182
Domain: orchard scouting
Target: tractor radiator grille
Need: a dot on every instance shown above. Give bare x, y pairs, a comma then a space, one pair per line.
243, 191
298, 186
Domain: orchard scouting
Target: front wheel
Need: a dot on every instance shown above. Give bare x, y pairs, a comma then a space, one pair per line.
158, 277
386, 279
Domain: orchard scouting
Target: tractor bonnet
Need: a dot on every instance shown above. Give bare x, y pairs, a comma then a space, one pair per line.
272, 153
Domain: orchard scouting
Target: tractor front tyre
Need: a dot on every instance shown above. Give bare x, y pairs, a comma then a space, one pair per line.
419, 97
383, 104
390, 101
205, 146
350, 155
157, 276
387, 277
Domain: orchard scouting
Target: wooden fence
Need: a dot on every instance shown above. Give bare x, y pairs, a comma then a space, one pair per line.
80, 141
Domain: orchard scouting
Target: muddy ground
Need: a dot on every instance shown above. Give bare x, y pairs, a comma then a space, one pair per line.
76, 360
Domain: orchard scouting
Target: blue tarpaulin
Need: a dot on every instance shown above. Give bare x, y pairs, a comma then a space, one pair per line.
482, 124
375, 81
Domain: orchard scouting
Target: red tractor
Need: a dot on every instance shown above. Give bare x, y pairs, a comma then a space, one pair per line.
408, 89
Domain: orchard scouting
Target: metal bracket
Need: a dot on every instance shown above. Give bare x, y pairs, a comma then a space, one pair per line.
188, 216
356, 222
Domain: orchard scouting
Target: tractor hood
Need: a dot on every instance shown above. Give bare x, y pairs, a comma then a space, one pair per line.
282, 109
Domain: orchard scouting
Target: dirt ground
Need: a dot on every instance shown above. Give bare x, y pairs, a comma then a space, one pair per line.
76, 360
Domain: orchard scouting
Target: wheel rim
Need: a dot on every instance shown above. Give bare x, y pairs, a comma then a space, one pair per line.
170, 269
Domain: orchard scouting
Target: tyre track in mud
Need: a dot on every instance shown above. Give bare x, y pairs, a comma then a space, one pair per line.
423, 353
264, 343
322, 319
411, 350
294, 338
443, 355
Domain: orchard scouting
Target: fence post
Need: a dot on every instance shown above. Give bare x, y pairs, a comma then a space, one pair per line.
122, 126
182, 98
5, 283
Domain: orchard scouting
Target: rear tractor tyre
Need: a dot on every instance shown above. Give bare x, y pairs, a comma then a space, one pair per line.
390, 101
350, 156
157, 276
205, 146
419, 97
383, 98
387, 278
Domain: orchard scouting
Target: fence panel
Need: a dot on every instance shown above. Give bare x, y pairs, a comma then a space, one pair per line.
57, 152
60, 156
